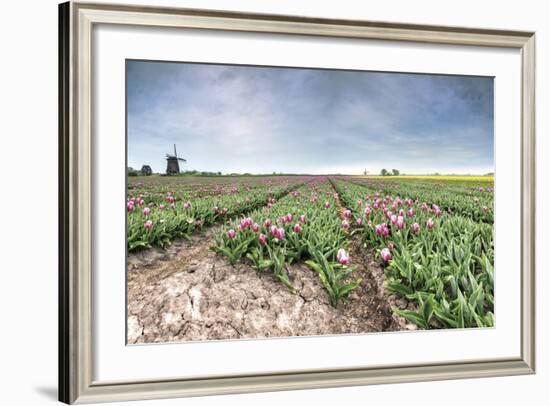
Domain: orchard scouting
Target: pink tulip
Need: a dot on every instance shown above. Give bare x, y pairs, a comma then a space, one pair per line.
297, 229
327, 205
359, 221
485, 209
391, 245
410, 213
274, 231
162, 207
415, 228
262, 239
303, 219
347, 213
255, 227
345, 224
231, 234
393, 219
146, 211
141, 202
130, 206
289, 217
267, 223
386, 254
342, 256
382, 229
239, 227
172, 206
367, 211
245, 223
400, 224
148, 225
429, 224
424, 207
280, 234
186, 205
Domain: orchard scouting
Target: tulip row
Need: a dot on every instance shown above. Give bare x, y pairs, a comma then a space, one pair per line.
157, 189
303, 226
441, 261
156, 219
475, 203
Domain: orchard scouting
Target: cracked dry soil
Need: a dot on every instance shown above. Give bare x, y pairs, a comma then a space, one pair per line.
188, 293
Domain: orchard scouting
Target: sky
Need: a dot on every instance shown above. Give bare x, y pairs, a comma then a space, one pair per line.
248, 119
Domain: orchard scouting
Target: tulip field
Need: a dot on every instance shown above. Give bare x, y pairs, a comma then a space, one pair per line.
433, 237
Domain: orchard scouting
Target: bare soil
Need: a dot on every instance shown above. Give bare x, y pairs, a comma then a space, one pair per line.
188, 293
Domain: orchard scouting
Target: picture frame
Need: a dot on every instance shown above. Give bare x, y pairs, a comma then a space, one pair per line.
76, 349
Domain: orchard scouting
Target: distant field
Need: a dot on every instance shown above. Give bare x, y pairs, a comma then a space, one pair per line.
460, 178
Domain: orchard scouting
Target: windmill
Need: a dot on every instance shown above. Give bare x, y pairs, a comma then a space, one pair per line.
172, 163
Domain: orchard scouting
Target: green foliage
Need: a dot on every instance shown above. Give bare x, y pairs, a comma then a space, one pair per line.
334, 277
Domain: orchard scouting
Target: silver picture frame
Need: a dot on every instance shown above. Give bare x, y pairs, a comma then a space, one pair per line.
76, 21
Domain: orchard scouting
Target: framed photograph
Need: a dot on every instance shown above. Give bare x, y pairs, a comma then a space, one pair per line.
255, 202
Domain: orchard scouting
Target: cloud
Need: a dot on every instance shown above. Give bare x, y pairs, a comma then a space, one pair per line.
261, 119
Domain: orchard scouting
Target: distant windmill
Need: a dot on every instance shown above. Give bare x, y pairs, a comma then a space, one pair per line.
172, 163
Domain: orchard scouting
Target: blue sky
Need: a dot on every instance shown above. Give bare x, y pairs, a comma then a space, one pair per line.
262, 120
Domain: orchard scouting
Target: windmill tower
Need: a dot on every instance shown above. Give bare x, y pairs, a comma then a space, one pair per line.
172, 163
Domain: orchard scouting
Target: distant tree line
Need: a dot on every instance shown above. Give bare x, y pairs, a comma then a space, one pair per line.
200, 173
385, 172
145, 171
